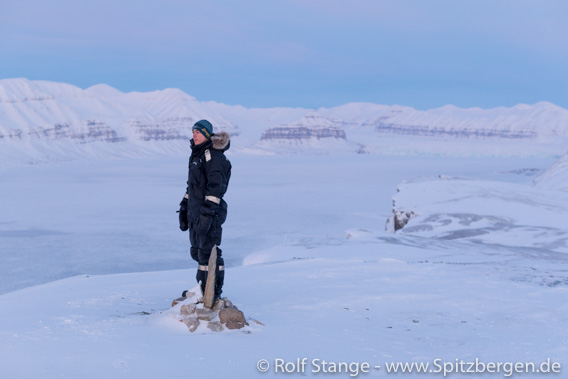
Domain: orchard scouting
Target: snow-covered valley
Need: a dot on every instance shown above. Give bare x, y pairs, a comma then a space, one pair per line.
92, 258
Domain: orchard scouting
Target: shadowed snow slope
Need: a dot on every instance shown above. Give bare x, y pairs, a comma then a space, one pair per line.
556, 176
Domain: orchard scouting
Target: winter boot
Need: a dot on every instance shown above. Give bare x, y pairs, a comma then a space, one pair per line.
202, 277
219, 280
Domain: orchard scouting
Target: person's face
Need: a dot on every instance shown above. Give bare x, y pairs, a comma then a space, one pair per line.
198, 138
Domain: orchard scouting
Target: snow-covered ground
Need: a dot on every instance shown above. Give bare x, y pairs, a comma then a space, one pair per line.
92, 257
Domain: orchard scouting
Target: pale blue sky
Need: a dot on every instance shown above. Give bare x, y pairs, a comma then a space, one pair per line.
309, 53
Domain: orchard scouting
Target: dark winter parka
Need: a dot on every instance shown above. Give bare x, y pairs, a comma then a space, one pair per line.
208, 179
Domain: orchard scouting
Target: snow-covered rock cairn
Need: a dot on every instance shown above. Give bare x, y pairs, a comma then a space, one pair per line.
224, 315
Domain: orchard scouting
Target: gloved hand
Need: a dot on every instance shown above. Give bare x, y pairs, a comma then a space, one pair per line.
183, 222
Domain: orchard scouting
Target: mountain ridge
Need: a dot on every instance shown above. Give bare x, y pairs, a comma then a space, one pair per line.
36, 110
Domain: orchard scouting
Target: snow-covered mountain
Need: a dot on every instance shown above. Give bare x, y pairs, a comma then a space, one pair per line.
312, 132
42, 120
539, 121
539, 129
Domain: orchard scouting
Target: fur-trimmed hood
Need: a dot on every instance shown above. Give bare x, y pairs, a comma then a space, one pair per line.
221, 141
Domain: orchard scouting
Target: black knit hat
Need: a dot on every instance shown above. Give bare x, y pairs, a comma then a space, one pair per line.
204, 127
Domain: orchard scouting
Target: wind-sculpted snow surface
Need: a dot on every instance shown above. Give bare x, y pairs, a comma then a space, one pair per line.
556, 176
519, 216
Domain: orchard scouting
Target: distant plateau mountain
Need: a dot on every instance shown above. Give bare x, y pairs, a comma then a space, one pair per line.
42, 121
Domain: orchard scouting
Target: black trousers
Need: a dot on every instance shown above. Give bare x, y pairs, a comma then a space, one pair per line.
201, 247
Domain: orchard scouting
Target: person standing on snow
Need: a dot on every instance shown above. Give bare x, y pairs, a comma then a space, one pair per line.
203, 210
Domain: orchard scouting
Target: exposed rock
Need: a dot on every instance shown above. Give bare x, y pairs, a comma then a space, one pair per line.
384, 125
177, 301
215, 326
192, 323
209, 292
156, 132
398, 220
224, 315
233, 318
188, 294
256, 321
401, 218
235, 324
90, 131
13, 134
205, 314
302, 133
188, 309
310, 127
219, 304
